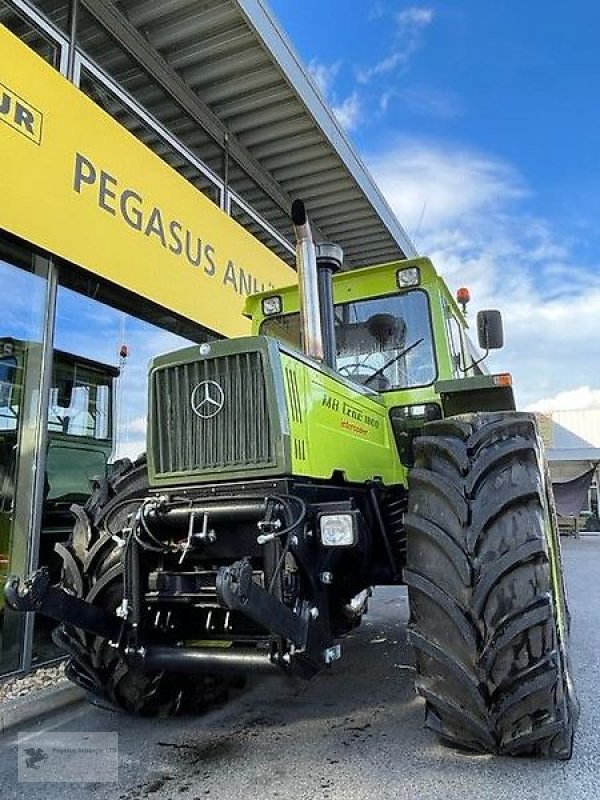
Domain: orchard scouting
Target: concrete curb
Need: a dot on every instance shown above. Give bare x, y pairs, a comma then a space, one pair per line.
38, 704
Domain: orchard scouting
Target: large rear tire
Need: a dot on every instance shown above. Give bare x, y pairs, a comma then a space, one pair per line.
93, 569
488, 616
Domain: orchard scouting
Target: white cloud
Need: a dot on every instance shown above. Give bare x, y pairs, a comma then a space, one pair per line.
131, 449
450, 182
409, 24
386, 65
478, 233
136, 425
348, 113
324, 75
413, 18
582, 398
430, 102
406, 38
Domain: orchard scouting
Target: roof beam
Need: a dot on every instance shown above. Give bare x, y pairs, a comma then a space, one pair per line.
259, 18
139, 48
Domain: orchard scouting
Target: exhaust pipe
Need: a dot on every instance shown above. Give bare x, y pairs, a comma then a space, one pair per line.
330, 258
306, 264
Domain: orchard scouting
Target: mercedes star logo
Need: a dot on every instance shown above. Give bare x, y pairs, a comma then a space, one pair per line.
207, 399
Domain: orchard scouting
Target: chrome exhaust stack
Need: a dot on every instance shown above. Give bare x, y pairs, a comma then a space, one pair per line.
306, 264
330, 259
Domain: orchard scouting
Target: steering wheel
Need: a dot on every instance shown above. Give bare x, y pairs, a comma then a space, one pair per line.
356, 368
361, 371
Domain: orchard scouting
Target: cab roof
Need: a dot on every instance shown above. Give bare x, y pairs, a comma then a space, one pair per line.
356, 284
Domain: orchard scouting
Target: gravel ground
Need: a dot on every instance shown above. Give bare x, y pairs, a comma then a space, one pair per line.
42, 678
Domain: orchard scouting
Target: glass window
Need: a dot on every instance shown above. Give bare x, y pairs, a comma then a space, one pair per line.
455, 343
57, 11
8, 377
80, 397
257, 229
23, 318
385, 342
475, 364
22, 27
127, 117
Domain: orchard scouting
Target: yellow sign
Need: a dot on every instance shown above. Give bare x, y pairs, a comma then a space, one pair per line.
20, 115
76, 183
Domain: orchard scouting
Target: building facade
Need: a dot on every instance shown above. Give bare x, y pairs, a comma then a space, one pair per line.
572, 441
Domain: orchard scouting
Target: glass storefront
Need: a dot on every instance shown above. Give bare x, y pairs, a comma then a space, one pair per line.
57, 436
31, 34
24, 278
74, 349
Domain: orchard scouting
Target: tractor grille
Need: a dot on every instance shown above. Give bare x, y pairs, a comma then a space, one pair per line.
236, 436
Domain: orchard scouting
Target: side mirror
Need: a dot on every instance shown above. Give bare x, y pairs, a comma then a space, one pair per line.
489, 330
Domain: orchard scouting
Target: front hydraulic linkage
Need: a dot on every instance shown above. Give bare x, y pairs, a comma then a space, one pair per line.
238, 592
35, 593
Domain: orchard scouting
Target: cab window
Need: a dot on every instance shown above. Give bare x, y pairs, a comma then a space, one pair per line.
385, 343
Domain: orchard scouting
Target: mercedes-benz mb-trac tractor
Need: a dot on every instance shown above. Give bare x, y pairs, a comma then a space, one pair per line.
353, 440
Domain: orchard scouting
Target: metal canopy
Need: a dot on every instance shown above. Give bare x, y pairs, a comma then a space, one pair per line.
220, 74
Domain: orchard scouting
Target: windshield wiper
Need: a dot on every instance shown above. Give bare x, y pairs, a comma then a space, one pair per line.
393, 360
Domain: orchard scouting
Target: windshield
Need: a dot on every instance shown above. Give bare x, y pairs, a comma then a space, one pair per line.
80, 401
385, 343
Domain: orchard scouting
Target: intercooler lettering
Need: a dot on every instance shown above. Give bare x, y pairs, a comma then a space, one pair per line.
351, 418
353, 428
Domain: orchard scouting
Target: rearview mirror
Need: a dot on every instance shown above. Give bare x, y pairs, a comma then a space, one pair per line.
489, 330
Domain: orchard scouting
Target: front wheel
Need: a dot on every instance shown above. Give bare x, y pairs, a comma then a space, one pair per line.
488, 616
93, 565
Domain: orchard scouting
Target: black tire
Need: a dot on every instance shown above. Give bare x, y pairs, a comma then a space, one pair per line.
488, 616
93, 569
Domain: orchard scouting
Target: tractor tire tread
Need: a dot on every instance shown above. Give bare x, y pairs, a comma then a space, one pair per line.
491, 651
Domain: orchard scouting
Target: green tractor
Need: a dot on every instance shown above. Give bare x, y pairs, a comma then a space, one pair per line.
354, 440
79, 439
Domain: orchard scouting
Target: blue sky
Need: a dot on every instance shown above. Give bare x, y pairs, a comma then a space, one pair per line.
480, 123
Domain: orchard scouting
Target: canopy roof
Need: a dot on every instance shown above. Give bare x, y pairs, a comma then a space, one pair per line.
221, 74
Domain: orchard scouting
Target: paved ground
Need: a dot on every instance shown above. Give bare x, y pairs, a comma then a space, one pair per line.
354, 734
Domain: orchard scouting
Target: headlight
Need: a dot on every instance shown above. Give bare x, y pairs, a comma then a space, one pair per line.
409, 276
271, 305
338, 530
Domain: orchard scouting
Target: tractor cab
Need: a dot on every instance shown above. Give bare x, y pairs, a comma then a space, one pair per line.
398, 331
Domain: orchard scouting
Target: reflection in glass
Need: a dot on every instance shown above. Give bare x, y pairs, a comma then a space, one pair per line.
23, 314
